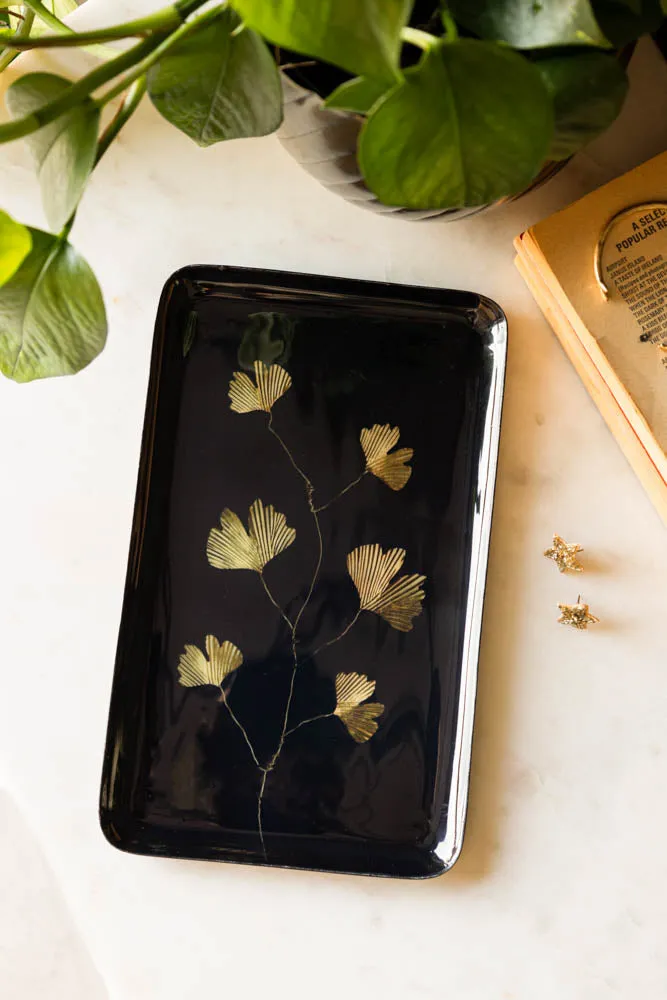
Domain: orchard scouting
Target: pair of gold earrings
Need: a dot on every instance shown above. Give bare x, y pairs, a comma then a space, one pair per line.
565, 556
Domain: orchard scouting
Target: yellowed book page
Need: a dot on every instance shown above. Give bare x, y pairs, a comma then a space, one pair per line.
623, 431
629, 324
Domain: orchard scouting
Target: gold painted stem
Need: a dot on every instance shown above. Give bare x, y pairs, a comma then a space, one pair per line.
309, 485
342, 493
315, 718
274, 601
293, 625
296, 625
339, 636
260, 799
223, 698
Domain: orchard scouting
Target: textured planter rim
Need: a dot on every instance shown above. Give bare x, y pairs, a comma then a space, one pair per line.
324, 142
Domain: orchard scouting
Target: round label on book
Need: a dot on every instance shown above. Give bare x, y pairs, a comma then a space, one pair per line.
631, 263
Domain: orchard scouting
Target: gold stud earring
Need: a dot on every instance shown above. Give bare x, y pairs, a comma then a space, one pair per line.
576, 615
564, 555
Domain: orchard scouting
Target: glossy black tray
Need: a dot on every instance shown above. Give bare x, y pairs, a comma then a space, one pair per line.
311, 533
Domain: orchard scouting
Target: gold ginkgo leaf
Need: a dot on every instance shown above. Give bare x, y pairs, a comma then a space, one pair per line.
373, 571
377, 443
221, 659
232, 547
269, 531
271, 382
359, 720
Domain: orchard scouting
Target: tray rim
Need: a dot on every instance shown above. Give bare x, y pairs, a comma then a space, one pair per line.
449, 849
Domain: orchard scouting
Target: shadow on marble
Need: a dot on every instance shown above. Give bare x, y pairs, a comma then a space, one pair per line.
42, 954
595, 564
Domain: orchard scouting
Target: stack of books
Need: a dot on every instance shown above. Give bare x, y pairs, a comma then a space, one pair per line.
598, 271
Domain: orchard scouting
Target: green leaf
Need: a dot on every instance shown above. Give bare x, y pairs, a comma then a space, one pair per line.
531, 25
52, 318
361, 36
470, 124
15, 244
64, 151
588, 90
622, 21
358, 95
218, 85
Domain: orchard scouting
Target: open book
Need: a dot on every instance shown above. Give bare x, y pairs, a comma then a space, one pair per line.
598, 271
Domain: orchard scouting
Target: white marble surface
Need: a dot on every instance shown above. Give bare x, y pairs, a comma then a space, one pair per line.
560, 892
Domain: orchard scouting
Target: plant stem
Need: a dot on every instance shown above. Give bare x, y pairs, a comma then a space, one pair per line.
298, 65
139, 59
451, 31
67, 228
166, 20
78, 91
422, 39
124, 113
45, 15
23, 31
187, 7
350, 486
159, 49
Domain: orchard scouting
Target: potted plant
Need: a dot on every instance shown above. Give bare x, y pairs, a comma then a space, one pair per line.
421, 108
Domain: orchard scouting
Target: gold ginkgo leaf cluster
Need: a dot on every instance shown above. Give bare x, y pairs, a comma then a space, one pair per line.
196, 669
359, 720
372, 571
232, 547
272, 381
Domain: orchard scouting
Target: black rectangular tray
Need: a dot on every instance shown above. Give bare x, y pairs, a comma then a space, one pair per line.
297, 659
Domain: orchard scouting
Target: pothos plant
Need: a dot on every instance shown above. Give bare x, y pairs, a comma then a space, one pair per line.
373, 571
462, 105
